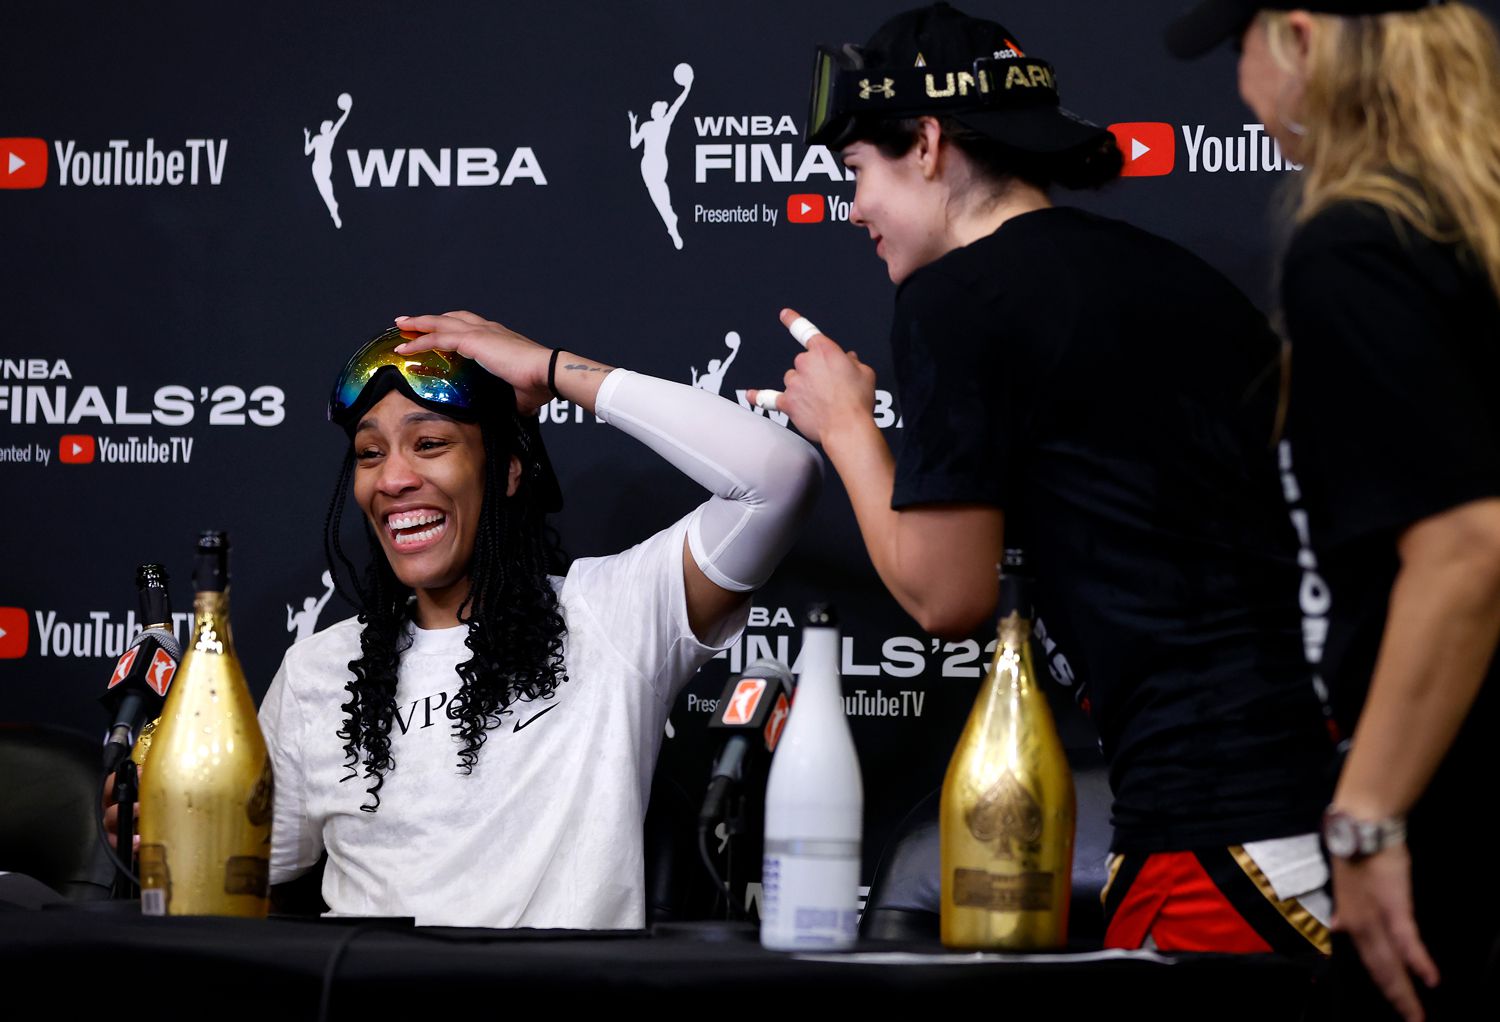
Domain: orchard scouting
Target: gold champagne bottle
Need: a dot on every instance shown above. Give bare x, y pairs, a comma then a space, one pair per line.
1008, 808
206, 796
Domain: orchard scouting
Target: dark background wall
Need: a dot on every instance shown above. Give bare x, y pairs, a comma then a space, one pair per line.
183, 335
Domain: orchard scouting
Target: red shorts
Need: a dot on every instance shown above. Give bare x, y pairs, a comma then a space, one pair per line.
1215, 899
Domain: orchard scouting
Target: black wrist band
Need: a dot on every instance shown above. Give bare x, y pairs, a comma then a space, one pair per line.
552, 372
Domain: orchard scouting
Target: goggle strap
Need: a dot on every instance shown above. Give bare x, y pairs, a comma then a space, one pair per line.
841, 91
1012, 82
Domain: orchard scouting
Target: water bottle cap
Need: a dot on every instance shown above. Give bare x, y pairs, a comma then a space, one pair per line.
821, 615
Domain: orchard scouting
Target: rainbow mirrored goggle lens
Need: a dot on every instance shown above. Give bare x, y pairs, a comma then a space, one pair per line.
441, 377
843, 90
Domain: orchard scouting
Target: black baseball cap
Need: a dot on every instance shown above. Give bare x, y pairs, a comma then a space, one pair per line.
1206, 25
939, 60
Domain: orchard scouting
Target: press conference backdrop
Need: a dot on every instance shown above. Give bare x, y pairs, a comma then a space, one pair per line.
204, 208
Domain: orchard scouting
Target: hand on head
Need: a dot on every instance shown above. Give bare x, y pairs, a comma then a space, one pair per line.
516, 359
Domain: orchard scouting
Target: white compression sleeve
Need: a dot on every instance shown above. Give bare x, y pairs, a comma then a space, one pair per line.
763, 477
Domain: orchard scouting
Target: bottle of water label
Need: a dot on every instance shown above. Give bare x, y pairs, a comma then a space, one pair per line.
810, 893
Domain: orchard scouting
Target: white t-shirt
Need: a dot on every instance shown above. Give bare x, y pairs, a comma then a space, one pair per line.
547, 830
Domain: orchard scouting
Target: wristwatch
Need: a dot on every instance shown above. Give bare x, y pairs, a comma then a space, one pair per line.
1348, 837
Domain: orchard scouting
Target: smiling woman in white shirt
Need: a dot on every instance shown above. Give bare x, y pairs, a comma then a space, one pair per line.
476, 747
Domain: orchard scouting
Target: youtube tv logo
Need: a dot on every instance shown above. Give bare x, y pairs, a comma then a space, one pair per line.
1150, 147
75, 449
15, 634
804, 208
23, 162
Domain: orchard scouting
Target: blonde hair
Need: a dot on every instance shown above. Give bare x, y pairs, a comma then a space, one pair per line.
1403, 111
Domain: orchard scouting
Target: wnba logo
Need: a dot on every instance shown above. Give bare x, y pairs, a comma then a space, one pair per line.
320, 148
467, 166
651, 138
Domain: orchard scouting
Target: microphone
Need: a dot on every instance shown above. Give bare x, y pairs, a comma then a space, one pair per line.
142, 675
753, 710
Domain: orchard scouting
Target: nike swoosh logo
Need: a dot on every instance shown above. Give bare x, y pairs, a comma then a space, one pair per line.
532, 720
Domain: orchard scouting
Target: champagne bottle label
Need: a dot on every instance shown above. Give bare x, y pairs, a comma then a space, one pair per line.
1014, 892
156, 879
247, 874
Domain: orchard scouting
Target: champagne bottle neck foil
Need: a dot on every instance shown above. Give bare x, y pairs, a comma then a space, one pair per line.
211, 632
211, 562
1015, 595
155, 604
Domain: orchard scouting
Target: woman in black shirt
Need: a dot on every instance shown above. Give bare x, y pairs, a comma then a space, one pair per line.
1391, 463
1102, 398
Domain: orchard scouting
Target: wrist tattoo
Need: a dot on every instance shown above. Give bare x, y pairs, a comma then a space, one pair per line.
584, 368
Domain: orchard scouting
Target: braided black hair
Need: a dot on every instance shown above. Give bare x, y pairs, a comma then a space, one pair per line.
515, 628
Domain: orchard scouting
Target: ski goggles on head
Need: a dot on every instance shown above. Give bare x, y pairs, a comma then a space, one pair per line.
843, 88
444, 380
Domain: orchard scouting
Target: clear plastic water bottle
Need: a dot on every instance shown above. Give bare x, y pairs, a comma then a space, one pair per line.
814, 809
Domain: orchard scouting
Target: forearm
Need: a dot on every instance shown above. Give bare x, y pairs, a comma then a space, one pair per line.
937, 562
764, 479
1440, 635
867, 469
578, 379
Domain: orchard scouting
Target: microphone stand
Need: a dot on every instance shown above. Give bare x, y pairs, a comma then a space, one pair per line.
734, 828
727, 808
713, 811
127, 790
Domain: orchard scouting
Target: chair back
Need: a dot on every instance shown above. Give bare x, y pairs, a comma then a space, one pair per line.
50, 790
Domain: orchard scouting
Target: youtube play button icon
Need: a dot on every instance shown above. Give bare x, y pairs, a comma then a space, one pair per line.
1149, 147
75, 449
23, 162
14, 633
805, 208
